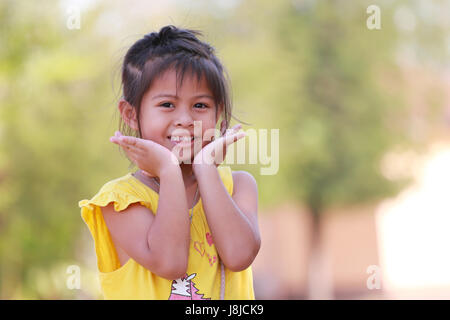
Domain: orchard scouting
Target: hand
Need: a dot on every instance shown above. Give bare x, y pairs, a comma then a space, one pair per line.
151, 157
215, 151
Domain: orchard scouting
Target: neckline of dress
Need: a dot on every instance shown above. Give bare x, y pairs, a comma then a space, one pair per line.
157, 194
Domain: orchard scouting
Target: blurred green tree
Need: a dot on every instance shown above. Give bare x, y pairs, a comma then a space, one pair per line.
341, 127
317, 73
343, 119
53, 93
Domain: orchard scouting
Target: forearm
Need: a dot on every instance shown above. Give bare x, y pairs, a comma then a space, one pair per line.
168, 236
233, 235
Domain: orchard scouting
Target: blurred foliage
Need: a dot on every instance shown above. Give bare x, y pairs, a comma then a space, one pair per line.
54, 98
309, 68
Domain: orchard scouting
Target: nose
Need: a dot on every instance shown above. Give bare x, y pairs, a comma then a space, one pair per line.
184, 119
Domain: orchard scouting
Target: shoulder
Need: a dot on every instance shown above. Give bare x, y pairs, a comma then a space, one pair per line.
122, 183
244, 181
238, 182
245, 195
122, 191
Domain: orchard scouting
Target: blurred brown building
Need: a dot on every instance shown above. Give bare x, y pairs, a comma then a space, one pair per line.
350, 246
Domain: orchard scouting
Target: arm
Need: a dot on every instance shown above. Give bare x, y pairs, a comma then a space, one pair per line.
232, 220
158, 242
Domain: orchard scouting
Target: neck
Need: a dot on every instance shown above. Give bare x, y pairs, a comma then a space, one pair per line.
189, 179
188, 175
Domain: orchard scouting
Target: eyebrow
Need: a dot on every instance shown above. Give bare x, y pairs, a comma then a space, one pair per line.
161, 95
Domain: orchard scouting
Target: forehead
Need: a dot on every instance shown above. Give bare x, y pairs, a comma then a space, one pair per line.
167, 82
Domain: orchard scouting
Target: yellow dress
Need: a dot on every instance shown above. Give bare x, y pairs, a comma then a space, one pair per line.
202, 280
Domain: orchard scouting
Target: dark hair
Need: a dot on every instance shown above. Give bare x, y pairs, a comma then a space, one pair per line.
175, 47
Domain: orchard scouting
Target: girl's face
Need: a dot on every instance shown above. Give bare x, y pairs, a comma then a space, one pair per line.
166, 113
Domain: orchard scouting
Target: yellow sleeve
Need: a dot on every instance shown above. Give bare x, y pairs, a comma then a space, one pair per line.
225, 173
122, 197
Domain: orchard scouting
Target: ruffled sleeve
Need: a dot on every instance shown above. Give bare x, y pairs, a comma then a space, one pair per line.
121, 201
121, 193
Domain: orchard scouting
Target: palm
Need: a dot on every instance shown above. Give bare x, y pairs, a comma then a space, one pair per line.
149, 156
215, 151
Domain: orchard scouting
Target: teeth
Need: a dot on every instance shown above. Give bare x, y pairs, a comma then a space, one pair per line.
176, 139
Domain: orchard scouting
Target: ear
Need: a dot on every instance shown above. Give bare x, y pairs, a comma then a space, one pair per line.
218, 114
128, 113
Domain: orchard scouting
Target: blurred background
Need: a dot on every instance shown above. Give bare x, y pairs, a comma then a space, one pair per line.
360, 93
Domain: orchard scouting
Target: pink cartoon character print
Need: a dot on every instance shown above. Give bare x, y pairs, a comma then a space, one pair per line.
184, 289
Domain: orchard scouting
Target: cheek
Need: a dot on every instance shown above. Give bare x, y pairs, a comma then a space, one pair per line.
209, 132
151, 127
151, 132
210, 124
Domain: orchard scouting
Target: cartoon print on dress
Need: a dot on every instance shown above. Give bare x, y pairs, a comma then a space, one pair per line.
184, 289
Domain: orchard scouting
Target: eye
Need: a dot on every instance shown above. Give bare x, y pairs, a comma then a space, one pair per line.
201, 104
166, 103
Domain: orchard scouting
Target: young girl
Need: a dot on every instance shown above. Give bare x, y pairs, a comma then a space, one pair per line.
183, 226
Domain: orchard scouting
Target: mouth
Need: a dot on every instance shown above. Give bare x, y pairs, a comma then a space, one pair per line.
179, 140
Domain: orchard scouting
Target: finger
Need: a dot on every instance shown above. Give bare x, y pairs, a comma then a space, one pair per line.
130, 147
132, 141
132, 155
233, 130
117, 138
229, 136
236, 128
234, 137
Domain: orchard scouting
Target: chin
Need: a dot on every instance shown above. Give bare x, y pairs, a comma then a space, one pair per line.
186, 159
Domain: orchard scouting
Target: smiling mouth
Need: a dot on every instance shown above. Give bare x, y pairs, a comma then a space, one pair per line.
183, 142
181, 139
